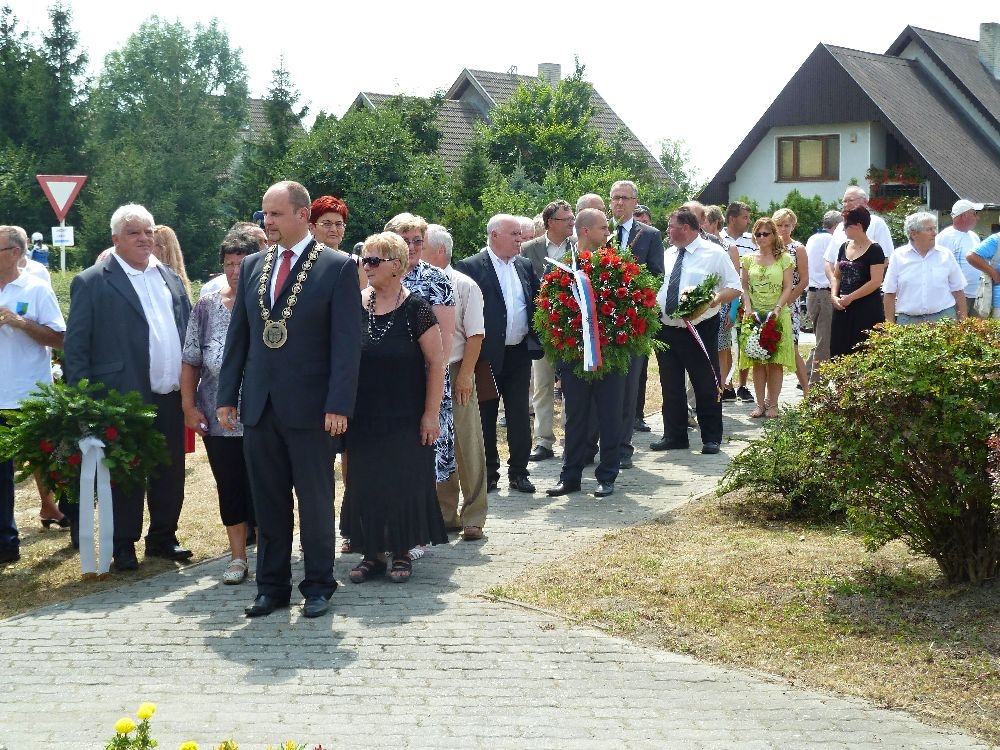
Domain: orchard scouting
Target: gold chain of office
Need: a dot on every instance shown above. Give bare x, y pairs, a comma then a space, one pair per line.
276, 331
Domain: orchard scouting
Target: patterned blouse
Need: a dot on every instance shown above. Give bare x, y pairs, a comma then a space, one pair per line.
204, 345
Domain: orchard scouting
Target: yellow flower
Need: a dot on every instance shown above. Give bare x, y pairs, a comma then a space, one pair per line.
124, 725
229, 744
189, 745
146, 710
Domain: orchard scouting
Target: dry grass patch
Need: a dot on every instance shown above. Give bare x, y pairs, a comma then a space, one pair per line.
729, 581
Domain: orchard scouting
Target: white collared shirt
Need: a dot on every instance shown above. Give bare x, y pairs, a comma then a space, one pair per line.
701, 259
552, 250
816, 247
513, 299
877, 231
296, 249
164, 341
468, 312
23, 361
626, 230
744, 243
923, 284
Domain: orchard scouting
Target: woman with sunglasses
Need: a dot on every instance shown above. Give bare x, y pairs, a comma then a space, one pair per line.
391, 488
855, 289
767, 291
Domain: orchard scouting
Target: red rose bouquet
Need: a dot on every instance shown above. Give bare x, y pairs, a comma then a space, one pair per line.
44, 435
622, 296
764, 337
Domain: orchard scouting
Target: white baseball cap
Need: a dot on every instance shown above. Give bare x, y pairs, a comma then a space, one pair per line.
963, 205
37, 236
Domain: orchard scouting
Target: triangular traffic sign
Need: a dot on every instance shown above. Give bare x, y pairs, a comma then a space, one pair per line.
61, 190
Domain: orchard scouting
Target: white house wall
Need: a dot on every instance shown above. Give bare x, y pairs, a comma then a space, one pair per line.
861, 145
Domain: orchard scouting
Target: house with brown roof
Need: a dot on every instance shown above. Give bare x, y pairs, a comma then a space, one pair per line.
475, 93
924, 117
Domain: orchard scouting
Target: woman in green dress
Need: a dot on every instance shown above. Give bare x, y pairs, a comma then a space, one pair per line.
767, 291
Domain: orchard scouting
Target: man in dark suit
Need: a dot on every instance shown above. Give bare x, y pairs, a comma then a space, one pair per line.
553, 243
128, 316
294, 345
598, 401
646, 244
509, 288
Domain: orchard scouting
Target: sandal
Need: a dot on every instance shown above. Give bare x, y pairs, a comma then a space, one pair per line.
402, 568
235, 572
759, 412
771, 412
345, 546
366, 569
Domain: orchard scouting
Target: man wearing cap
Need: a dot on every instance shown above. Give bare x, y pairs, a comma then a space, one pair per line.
39, 250
961, 240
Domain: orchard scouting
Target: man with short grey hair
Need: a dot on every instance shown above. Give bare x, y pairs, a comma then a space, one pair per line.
819, 307
878, 232
464, 348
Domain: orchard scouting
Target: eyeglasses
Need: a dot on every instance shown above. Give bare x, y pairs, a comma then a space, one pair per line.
570, 219
414, 243
623, 198
374, 261
761, 234
332, 225
9, 247
232, 264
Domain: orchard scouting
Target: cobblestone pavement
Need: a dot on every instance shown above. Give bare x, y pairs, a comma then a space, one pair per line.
427, 664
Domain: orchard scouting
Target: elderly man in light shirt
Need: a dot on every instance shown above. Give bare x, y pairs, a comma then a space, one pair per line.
961, 240
688, 262
466, 343
923, 282
878, 230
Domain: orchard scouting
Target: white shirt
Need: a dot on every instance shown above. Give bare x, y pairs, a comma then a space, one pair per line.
701, 259
23, 361
923, 284
468, 312
213, 285
37, 269
878, 231
816, 247
296, 249
513, 299
961, 244
164, 341
552, 250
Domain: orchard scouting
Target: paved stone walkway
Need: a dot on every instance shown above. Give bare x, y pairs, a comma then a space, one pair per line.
424, 665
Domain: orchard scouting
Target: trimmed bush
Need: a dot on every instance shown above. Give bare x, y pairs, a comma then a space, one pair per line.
903, 425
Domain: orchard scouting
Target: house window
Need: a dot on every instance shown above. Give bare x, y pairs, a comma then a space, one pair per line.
809, 158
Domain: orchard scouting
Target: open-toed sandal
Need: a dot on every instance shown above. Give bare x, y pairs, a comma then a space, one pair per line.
402, 568
759, 412
771, 412
345, 546
235, 572
365, 570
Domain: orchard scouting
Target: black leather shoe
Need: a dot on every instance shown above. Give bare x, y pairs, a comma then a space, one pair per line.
640, 425
10, 555
563, 488
493, 485
522, 484
625, 463
125, 559
668, 445
711, 448
604, 489
169, 552
265, 604
541, 453
315, 606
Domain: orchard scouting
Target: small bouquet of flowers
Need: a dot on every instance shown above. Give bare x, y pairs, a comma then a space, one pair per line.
44, 434
620, 297
694, 300
762, 342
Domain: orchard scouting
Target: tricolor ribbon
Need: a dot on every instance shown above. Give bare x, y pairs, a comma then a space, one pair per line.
95, 475
583, 293
711, 366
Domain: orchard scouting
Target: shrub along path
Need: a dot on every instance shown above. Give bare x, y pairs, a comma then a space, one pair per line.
425, 664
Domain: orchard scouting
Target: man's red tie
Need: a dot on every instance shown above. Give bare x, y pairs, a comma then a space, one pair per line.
284, 268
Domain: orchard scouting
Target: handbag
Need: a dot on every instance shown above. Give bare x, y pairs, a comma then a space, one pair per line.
983, 304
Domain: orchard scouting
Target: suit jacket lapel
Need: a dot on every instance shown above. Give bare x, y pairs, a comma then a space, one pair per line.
522, 274
176, 290
633, 235
491, 274
118, 280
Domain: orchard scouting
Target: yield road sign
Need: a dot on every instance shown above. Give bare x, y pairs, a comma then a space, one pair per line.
61, 190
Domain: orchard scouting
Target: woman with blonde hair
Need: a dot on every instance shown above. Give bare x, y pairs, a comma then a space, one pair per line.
167, 250
767, 292
786, 221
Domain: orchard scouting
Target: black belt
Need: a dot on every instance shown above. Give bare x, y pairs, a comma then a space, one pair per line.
818, 289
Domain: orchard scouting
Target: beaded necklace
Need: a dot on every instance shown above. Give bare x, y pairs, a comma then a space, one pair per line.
377, 332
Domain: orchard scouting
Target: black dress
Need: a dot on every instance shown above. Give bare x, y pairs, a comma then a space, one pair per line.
391, 490
850, 327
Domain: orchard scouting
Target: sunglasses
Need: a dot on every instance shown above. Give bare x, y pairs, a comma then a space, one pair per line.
761, 234
374, 261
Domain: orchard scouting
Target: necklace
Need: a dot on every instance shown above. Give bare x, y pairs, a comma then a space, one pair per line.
376, 331
276, 331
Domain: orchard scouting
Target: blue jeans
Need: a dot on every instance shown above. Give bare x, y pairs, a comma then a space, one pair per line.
8, 529
905, 320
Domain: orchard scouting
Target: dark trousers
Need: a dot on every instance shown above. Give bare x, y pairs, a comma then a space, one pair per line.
278, 459
640, 397
630, 395
9, 539
229, 467
685, 355
585, 403
514, 383
164, 493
